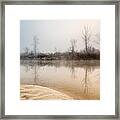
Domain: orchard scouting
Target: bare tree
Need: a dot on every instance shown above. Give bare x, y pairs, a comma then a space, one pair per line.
35, 45
86, 35
26, 51
73, 45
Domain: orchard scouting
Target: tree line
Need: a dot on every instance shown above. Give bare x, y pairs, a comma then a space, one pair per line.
88, 53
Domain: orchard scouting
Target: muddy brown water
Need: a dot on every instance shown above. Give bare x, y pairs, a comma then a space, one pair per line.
76, 78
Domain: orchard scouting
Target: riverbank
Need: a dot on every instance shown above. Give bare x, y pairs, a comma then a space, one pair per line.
35, 92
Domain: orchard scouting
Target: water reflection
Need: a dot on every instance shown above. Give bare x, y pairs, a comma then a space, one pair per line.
78, 79
85, 81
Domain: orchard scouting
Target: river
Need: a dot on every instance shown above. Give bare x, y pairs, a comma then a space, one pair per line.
79, 79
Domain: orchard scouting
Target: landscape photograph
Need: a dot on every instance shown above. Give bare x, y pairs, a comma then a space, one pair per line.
60, 59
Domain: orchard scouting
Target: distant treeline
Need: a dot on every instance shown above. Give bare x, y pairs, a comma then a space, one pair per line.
88, 53
91, 54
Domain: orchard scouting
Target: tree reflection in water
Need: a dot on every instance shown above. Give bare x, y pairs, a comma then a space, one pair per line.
87, 67
34, 65
72, 70
36, 77
85, 81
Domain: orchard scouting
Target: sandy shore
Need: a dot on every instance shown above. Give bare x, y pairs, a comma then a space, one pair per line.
35, 92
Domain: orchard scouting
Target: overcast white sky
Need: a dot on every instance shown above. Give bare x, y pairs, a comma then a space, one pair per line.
56, 34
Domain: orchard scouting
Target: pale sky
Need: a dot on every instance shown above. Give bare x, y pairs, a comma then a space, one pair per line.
56, 34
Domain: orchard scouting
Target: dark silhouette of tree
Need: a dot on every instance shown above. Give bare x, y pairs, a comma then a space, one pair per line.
86, 35
26, 50
73, 46
35, 45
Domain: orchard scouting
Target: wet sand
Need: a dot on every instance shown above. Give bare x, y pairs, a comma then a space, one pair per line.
35, 92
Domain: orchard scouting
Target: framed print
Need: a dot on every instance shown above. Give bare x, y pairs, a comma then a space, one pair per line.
60, 59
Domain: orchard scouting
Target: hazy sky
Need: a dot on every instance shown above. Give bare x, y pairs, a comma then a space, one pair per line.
56, 34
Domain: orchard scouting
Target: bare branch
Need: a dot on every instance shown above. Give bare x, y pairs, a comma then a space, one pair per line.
86, 35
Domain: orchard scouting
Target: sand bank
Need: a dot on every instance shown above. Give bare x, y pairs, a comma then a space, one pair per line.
35, 92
